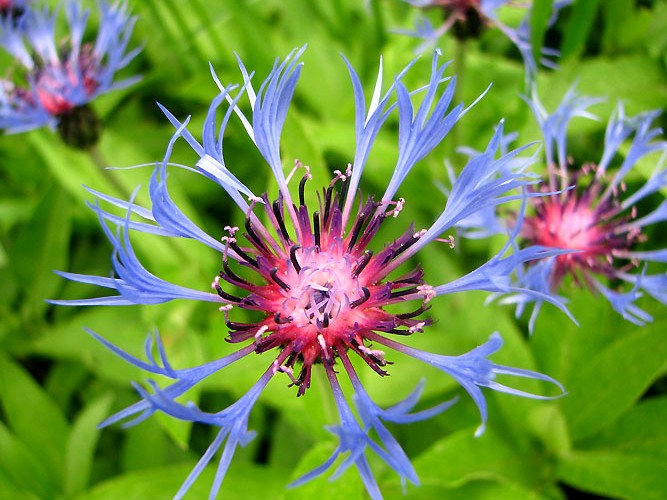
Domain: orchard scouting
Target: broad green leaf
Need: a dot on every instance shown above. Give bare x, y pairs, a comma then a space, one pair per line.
635, 79
33, 416
516, 411
8, 490
41, 247
82, 443
611, 381
615, 474
578, 27
641, 430
617, 14
21, 470
241, 481
14, 210
64, 381
430, 488
488, 457
548, 423
120, 325
144, 446
562, 347
657, 35
289, 442
540, 13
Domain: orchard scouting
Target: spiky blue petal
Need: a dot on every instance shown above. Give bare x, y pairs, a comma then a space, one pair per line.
473, 370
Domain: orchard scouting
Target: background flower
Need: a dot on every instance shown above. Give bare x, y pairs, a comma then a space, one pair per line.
593, 213
61, 79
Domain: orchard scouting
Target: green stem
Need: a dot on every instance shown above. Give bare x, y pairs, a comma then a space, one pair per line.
98, 159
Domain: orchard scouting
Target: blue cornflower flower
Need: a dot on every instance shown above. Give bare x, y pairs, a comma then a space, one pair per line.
321, 290
588, 210
61, 80
468, 18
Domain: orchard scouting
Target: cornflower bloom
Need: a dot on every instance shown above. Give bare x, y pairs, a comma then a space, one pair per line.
321, 284
587, 209
61, 78
467, 19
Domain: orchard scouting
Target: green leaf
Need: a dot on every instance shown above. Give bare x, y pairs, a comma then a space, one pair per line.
23, 471
615, 474
539, 18
144, 446
641, 430
64, 381
81, 445
548, 423
242, 481
635, 79
610, 382
578, 27
479, 490
33, 416
616, 14
468, 458
121, 326
41, 247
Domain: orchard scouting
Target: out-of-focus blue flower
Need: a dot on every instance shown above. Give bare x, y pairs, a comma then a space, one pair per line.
61, 79
12, 9
467, 18
592, 212
322, 283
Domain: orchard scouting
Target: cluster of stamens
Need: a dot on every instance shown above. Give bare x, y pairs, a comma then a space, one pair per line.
320, 289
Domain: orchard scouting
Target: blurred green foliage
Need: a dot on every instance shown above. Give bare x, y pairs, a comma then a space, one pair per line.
606, 437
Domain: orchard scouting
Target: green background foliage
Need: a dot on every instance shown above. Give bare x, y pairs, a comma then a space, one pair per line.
606, 437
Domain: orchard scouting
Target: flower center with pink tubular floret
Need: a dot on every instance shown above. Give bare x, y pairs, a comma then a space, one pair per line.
324, 293
54, 80
571, 221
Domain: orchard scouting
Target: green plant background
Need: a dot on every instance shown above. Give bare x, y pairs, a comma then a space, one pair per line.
606, 437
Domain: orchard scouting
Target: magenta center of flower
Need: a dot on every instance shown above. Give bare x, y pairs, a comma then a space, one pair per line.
565, 225
581, 222
321, 292
61, 86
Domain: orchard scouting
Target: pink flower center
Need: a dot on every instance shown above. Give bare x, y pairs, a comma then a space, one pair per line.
571, 221
55, 83
565, 225
324, 293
